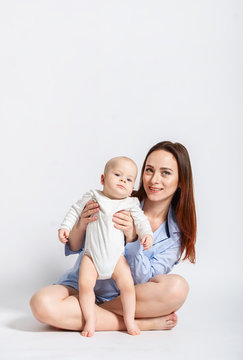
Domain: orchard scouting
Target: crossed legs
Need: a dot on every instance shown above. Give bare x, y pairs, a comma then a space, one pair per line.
156, 302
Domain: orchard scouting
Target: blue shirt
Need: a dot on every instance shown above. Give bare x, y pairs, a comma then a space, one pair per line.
144, 264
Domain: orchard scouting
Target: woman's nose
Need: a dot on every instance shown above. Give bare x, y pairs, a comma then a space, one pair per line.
155, 178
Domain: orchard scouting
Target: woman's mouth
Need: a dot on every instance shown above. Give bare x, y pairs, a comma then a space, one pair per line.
154, 189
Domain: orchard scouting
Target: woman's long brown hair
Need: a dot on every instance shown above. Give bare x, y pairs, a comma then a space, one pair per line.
183, 200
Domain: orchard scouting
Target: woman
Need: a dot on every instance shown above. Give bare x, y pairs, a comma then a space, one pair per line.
166, 195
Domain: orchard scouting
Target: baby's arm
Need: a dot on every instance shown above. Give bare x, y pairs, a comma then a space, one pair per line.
63, 235
88, 215
72, 217
147, 241
142, 225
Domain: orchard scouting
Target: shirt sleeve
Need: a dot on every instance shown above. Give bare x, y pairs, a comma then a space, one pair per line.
144, 267
68, 251
74, 213
140, 219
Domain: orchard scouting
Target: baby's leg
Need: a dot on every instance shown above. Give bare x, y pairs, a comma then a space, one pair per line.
123, 278
87, 280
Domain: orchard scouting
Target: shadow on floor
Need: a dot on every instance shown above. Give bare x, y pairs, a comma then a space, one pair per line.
29, 324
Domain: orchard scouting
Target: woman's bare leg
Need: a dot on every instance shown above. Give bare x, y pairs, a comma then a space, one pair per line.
123, 277
162, 295
58, 306
87, 279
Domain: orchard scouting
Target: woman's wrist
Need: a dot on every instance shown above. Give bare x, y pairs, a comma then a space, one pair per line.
76, 237
80, 227
131, 238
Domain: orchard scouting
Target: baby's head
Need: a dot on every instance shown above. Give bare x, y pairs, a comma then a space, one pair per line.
119, 177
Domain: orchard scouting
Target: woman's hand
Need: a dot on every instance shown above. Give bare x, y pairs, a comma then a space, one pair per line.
124, 222
87, 215
76, 236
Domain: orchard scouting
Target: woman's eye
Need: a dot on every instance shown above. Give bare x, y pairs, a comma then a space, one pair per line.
166, 173
149, 170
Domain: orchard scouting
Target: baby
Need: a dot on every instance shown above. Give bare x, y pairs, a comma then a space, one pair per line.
104, 244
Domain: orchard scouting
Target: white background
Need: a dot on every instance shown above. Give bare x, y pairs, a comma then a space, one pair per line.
83, 81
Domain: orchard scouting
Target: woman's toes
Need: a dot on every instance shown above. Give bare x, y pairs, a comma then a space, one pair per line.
169, 322
174, 317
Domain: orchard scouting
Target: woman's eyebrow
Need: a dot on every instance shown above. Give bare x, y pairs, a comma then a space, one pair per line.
166, 168
162, 168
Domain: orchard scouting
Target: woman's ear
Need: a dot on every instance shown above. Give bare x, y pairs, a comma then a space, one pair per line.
102, 179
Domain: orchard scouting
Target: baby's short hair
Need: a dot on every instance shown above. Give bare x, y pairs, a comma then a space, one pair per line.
110, 163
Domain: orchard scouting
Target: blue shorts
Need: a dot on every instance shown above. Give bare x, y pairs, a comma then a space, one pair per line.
105, 290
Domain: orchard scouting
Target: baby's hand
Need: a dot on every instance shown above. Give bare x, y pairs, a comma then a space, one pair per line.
147, 241
63, 235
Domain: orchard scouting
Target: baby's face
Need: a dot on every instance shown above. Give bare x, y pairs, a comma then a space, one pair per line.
119, 180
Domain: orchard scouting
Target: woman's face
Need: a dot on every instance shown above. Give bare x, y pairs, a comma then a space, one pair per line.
160, 177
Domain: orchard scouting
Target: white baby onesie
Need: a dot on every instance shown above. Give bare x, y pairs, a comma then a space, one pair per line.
103, 242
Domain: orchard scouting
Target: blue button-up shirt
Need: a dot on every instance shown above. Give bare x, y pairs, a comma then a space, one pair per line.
144, 264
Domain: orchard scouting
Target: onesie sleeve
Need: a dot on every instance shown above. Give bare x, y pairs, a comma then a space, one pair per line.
74, 213
161, 261
140, 219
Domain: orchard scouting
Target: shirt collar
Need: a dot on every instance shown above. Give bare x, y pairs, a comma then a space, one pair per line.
171, 223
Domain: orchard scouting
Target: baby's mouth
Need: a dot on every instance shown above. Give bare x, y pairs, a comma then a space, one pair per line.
121, 186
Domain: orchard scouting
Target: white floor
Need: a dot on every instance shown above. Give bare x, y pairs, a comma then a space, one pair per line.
209, 331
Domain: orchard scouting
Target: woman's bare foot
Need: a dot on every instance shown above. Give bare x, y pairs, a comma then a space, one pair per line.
89, 329
166, 322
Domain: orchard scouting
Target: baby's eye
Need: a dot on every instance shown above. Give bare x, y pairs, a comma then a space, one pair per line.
130, 180
117, 174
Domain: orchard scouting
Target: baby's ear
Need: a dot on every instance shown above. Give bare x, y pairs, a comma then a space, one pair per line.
102, 179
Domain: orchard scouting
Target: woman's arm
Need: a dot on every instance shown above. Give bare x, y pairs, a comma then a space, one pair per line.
76, 235
144, 266
165, 253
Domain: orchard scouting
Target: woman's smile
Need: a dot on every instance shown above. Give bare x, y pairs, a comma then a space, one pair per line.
154, 189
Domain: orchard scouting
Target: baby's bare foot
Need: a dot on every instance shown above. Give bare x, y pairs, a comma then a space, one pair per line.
89, 329
133, 331
132, 328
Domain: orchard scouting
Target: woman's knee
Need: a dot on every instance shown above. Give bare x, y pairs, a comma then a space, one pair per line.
174, 286
41, 304
178, 289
